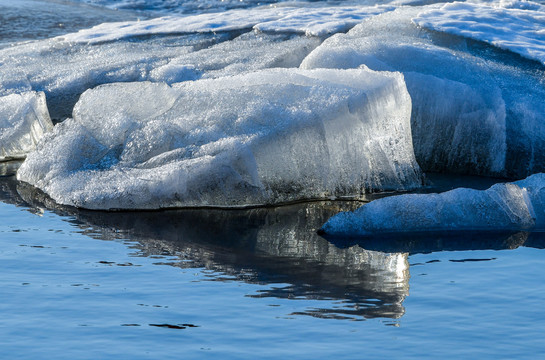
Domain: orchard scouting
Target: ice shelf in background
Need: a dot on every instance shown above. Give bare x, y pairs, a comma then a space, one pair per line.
476, 109
266, 137
305, 20
24, 120
517, 26
507, 206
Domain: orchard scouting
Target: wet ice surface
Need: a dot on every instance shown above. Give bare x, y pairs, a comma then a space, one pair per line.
24, 119
229, 284
504, 206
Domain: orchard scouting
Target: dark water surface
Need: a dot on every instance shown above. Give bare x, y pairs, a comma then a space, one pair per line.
23, 20
256, 284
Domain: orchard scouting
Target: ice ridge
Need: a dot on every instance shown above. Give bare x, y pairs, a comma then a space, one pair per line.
475, 111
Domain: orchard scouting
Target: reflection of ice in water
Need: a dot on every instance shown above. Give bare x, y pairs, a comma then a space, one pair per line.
277, 247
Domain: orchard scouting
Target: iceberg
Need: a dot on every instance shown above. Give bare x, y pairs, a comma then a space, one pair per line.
24, 120
266, 137
506, 206
476, 108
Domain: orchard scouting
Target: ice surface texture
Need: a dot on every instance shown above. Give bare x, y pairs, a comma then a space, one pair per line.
305, 20
266, 137
509, 206
23, 121
65, 70
476, 109
518, 26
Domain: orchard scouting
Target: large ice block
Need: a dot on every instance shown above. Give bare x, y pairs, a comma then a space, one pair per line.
266, 137
64, 70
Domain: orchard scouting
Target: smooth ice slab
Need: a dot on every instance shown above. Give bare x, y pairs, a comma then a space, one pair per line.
476, 109
23, 121
266, 137
508, 206
517, 26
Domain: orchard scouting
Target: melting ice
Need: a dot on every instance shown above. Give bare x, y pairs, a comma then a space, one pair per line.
204, 120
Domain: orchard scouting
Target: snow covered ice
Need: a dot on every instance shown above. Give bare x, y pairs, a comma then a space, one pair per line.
506, 206
24, 120
266, 137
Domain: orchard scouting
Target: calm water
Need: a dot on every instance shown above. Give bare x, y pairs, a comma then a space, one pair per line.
256, 284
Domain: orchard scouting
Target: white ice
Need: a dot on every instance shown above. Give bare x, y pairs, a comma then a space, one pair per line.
311, 21
475, 110
508, 206
24, 120
265, 137
64, 70
517, 26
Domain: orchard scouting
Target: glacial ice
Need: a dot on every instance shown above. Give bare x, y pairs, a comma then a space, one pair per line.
507, 206
24, 120
265, 137
517, 26
65, 70
476, 109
